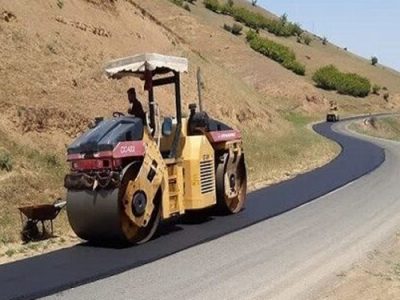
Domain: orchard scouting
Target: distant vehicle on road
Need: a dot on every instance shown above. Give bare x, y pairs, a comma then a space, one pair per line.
333, 114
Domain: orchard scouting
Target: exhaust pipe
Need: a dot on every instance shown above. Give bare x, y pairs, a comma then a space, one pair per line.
199, 87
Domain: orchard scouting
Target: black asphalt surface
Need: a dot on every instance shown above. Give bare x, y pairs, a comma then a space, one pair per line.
50, 273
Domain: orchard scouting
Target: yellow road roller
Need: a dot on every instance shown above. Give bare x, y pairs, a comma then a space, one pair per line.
333, 114
131, 171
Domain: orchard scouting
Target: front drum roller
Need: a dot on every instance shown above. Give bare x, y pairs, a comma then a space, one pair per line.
100, 215
231, 180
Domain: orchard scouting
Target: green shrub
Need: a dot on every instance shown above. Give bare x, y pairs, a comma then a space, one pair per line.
227, 8
251, 35
326, 77
227, 27
386, 97
236, 29
6, 162
354, 85
249, 18
277, 52
52, 160
177, 2
60, 4
330, 78
375, 89
213, 5
295, 66
183, 3
307, 39
280, 27
374, 60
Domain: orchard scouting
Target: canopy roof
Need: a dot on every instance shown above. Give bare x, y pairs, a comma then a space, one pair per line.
136, 65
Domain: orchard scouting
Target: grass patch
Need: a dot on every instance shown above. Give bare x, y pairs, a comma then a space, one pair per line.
10, 252
270, 158
297, 119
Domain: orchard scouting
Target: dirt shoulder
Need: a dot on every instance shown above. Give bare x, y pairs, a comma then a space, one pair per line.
386, 128
376, 277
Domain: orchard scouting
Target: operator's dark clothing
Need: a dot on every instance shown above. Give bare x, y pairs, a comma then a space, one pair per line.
136, 109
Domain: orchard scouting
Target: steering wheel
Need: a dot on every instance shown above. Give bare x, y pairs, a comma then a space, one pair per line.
117, 114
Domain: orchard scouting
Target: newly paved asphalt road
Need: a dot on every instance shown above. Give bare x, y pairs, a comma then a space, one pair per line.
290, 256
258, 261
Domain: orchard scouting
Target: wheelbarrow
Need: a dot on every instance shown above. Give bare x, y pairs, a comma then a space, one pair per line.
31, 215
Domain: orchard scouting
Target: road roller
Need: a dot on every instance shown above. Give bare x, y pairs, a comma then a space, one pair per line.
333, 114
128, 173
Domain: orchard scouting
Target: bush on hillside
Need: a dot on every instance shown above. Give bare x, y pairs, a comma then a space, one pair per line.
277, 52
326, 77
295, 66
330, 78
251, 35
236, 29
354, 85
183, 3
177, 2
375, 89
307, 39
386, 96
248, 18
213, 5
228, 27
6, 162
374, 60
256, 21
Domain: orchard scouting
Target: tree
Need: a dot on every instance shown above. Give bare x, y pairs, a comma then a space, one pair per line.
284, 18
374, 60
254, 2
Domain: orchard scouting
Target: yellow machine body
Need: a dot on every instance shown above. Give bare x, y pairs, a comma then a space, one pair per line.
190, 177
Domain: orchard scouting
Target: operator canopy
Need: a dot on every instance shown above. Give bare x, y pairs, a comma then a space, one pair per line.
137, 65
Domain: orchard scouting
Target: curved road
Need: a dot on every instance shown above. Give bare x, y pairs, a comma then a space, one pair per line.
286, 256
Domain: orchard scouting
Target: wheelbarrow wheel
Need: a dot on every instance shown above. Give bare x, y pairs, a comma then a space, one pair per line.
30, 231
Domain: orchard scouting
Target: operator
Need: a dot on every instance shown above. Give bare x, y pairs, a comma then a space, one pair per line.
135, 107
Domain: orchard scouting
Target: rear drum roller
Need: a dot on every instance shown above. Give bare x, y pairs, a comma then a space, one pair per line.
231, 181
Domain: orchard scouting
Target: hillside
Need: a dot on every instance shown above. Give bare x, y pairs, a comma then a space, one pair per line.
52, 53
